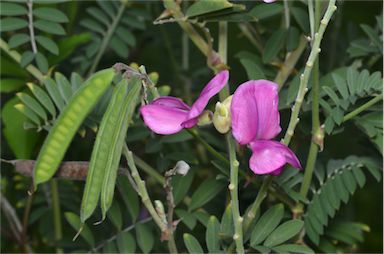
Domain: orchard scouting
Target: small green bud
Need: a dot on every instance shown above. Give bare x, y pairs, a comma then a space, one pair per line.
164, 90
154, 76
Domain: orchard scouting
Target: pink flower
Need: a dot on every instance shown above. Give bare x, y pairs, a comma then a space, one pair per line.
168, 115
269, 1
256, 120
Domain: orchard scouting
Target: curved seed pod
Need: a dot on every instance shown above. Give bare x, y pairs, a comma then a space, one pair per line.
70, 119
99, 158
118, 139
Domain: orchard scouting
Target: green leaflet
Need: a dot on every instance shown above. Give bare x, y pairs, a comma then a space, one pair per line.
70, 119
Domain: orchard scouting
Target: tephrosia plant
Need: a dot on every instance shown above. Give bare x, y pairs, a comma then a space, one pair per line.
279, 152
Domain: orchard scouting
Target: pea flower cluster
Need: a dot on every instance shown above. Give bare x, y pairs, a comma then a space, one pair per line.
252, 113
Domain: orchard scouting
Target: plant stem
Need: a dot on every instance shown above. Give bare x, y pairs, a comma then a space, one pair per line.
17, 57
56, 213
234, 164
362, 107
142, 190
107, 38
148, 169
261, 195
30, 26
286, 14
311, 18
171, 206
317, 132
307, 71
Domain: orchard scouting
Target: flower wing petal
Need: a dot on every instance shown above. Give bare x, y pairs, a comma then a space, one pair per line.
211, 89
268, 157
165, 115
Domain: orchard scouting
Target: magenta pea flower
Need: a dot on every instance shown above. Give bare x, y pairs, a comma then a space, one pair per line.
168, 115
255, 121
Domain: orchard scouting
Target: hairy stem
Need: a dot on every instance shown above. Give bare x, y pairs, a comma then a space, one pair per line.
142, 190
17, 57
307, 71
56, 213
30, 26
234, 164
107, 38
171, 206
363, 107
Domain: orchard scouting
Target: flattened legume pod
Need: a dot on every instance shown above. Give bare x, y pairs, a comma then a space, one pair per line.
65, 127
99, 158
121, 127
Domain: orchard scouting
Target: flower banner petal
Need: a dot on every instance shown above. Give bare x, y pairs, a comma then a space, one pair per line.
211, 89
268, 157
171, 102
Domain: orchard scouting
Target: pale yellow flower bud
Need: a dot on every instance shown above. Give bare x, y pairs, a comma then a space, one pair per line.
205, 118
222, 115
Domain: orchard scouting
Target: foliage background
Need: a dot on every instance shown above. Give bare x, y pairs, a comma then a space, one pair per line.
159, 48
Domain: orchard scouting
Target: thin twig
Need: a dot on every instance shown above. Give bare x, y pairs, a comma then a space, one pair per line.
307, 71
171, 206
30, 26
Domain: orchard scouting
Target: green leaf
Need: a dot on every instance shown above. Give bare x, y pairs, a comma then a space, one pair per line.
107, 7
22, 142
205, 7
119, 47
11, 9
202, 216
212, 235
126, 243
349, 181
29, 113
301, 17
54, 92
181, 186
114, 214
126, 35
64, 86
67, 45
99, 15
226, 226
373, 36
252, 65
187, 218
92, 25
192, 244
74, 221
17, 40
129, 196
26, 58
49, 27
293, 248
12, 24
43, 98
10, 85
263, 11
33, 105
274, 45
48, 44
329, 91
284, 232
266, 224
42, 62
293, 38
50, 14
206, 191
76, 81
144, 238
110, 247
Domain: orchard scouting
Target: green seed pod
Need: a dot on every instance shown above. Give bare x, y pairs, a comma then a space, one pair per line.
222, 116
102, 146
65, 127
118, 139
